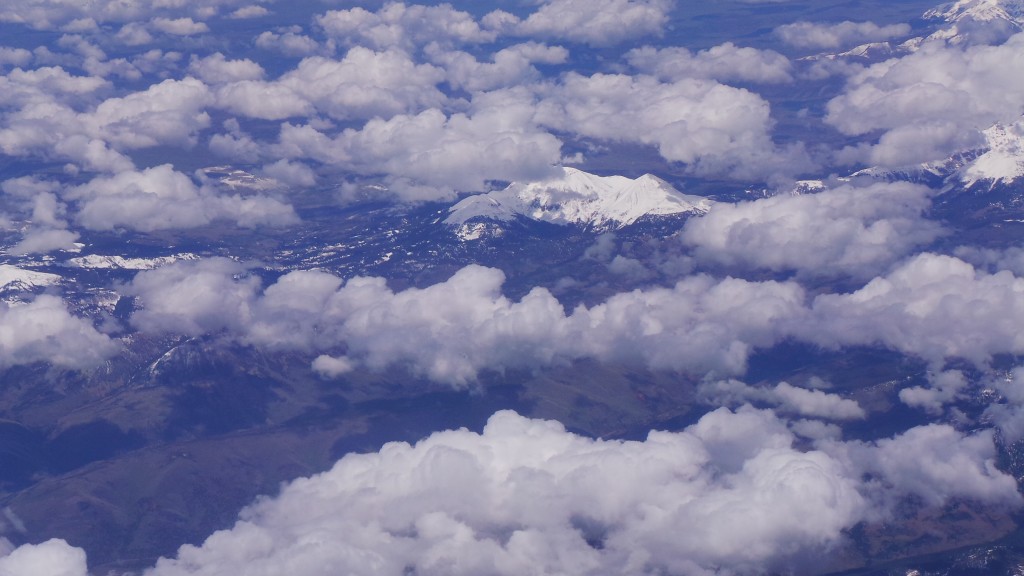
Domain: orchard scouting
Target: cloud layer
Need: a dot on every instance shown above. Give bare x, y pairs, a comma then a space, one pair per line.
527, 496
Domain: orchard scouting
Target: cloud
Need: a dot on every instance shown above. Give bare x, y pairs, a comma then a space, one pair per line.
161, 198
46, 120
527, 496
594, 22
45, 240
46, 227
932, 306
252, 11
512, 66
946, 464
992, 260
716, 129
59, 14
430, 156
848, 230
943, 388
816, 36
1006, 412
725, 62
930, 103
364, 84
171, 112
42, 330
784, 396
14, 56
403, 26
288, 42
699, 325
179, 26
217, 69
194, 298
51, 558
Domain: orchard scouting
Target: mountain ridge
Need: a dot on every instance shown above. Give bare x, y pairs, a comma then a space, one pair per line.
578, 198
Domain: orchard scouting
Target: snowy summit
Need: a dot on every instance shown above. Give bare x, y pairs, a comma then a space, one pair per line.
577, 197
979, 10
984, 21
1004, 160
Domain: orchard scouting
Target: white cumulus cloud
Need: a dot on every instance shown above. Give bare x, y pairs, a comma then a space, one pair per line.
850, 230
527, 496
932, 102
844, 34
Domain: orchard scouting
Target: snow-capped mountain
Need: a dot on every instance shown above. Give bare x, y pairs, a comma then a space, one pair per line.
120, 262
577, 197
14, 279
999, 161
971, 21
979, 11
958, 23
1003, 162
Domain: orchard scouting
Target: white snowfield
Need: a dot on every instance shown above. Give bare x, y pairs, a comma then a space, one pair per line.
577, 197
14, 278
1004, 160
101, 261
979, 11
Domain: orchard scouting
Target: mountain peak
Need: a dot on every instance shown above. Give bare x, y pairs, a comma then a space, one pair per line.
979, 11
581, 198
977, 21
1003, 161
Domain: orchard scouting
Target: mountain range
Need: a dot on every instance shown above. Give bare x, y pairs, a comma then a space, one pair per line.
577, 197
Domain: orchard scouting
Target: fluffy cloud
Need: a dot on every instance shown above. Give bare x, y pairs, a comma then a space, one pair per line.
171, 112
594, 22
932, 306
52, 14
946, 464
45, 240
432, 156
50, 558
842, 35
288, 42
714, 128
46, 121
850, 230
161, 198
217, 69
527, 496
700, 324
932, 102
943, 388
46, 225
725, 62
364, 84
179, 26
784, 396
194, 298
1007, 411
509, 67
1010, 259
403, 26
43, 330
